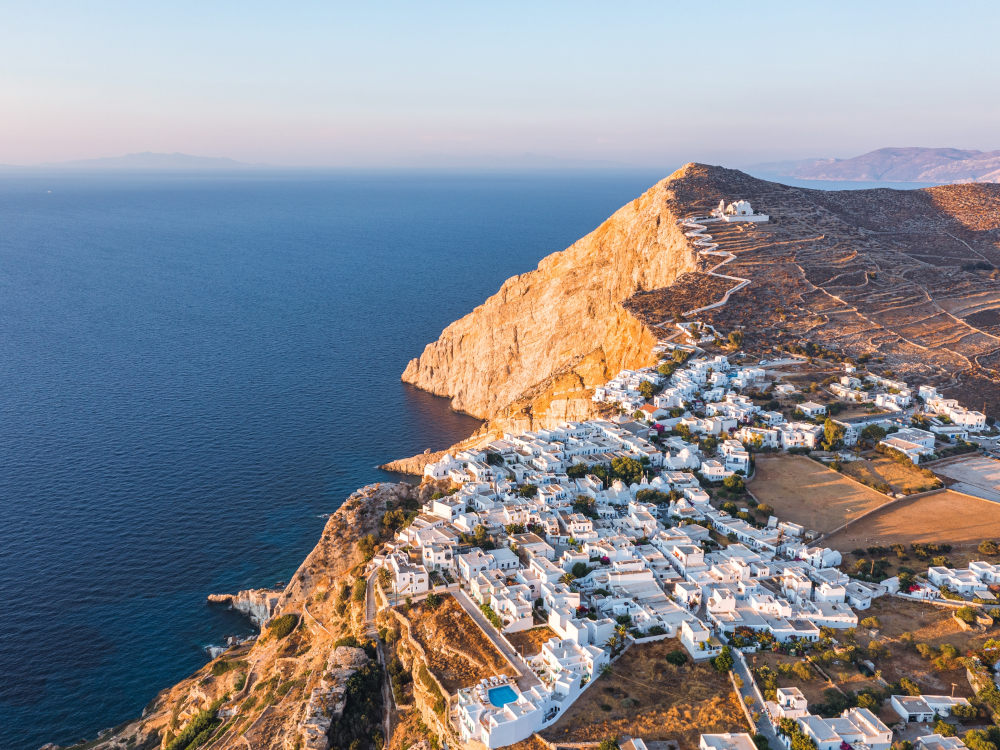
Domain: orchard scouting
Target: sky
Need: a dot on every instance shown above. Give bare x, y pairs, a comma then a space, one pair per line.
408, 84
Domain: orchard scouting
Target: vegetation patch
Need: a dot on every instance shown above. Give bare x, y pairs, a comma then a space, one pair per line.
282, 626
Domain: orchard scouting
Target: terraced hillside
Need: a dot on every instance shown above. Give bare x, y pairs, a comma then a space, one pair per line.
907, 276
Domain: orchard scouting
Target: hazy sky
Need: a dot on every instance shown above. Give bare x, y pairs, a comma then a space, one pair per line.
477, 83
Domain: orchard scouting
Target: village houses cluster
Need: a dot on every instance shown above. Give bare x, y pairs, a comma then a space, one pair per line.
601, 559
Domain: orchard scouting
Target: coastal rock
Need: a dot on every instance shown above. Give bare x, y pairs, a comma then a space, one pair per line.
414, 464
257, 604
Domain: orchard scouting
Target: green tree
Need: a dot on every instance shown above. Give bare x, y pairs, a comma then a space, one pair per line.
978, 739
735, 484
647, 390
626, 469
724, 661
528, 490
872, 434
833, 434
943, 728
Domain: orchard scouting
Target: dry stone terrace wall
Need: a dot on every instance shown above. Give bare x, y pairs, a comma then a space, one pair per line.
886, 273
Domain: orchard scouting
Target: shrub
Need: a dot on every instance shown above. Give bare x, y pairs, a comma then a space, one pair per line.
966, 614
367, 545
989, 547
433, 601
282, 626
359, 589
677, 657
203, 721
871, 623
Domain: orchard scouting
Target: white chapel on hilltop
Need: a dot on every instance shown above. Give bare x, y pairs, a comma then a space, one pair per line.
738, 211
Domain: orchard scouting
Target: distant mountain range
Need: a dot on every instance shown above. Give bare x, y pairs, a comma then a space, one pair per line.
146, 160
938, 165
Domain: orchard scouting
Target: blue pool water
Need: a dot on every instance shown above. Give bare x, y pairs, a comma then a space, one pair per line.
194, 370
501, 696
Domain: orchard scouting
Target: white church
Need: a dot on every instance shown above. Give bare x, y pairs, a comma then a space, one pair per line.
738, 211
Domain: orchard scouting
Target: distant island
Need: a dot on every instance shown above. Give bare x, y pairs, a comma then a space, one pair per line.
146, 160
925, 165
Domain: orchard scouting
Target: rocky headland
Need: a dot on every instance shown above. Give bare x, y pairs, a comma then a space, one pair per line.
907, 279
903, 277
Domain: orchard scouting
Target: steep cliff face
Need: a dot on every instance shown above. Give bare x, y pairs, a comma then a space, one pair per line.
538, 344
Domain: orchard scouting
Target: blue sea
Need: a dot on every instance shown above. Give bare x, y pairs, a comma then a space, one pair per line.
194, 371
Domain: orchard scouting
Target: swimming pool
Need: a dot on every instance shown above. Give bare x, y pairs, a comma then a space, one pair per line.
501, 696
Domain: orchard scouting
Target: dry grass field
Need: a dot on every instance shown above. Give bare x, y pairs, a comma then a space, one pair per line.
944, 517
529, 642
645, 696
803, 491
458, 652
903, 478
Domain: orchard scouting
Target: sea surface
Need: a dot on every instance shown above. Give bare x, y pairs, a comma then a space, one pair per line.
194, 371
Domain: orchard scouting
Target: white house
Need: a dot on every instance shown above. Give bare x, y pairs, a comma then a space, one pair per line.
924, 708
727, 741
812, 409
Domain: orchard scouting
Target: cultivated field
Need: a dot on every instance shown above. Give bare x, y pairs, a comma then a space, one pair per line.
904, 478
645, 696
944, 517
806, 492
976, 475
458, 652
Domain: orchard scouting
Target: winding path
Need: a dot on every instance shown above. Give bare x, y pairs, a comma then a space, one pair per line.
703, 242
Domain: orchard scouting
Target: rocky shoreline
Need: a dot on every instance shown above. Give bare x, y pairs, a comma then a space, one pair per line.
256, 604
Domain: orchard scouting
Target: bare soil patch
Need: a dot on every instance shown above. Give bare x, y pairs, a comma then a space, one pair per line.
645, 696
806, 492
530, 642
902, 478
458, 652
944, 517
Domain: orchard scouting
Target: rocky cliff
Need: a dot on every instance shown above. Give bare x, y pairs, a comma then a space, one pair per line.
901, 277
532, 352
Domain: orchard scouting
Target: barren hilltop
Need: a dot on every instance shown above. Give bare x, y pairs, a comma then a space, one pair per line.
905, 277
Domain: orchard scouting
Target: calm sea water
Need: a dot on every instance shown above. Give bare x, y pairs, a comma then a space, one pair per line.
193, 371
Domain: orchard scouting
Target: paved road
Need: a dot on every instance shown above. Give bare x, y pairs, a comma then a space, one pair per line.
741, 669
528, 678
